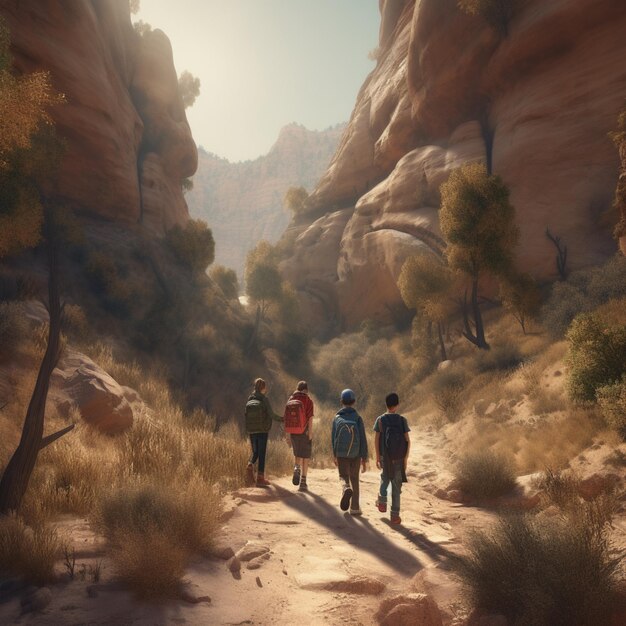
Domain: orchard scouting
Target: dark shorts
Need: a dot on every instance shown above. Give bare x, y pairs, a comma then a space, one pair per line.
301, 445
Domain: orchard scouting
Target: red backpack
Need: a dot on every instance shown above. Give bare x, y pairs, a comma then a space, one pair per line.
295, 418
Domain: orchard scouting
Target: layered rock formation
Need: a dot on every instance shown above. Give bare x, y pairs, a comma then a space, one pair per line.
128, 140
243, 202
536, 105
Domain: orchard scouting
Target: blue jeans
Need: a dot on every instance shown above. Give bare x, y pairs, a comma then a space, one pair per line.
258, 443
396, 486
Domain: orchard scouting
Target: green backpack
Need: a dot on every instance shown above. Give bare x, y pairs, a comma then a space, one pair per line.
256, 420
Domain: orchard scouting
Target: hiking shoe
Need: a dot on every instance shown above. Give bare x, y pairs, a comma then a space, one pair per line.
395, 520
303, 486
356, 512
382, 506
296, 475
261, 482
250, 474
345, 499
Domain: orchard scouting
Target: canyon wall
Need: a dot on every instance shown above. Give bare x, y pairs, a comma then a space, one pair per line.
243, 202
128, 143
535, 104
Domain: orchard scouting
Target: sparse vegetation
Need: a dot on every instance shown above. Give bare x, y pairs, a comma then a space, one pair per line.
296, 200
612, 401
521, 297
619, 138
485, 475
556, 571
189, 88
498, 13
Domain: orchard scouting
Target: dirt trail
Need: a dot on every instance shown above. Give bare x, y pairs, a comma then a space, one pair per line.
323, 565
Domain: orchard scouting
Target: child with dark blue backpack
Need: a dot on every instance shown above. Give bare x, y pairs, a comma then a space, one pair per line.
349, 450
392, 452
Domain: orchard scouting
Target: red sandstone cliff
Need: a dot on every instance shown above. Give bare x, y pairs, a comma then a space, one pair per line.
537, 105
128, 140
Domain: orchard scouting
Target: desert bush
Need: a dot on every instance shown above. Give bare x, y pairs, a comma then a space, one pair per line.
193, 245
448, 392
559, 488
226, 280
499, 359
28, 551
612, 401
583, 292
296, 200
597, 355
557, 571
484, 475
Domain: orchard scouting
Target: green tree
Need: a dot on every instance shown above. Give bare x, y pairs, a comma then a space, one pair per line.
193, 244
189, 88
477, 221
426, 283
226, 280
520, 295
498, 13
295, 199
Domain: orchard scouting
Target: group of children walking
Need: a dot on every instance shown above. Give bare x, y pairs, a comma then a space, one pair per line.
349, 444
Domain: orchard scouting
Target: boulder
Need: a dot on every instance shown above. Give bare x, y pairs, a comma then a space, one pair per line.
413, 609
99, 398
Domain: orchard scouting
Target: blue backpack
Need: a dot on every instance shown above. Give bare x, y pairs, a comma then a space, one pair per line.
347, 443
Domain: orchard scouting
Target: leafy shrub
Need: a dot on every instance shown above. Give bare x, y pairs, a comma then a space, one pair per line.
28, 551
193, 245
557, 571
582, 292
559, 488
612, 401
484, 475
597, 355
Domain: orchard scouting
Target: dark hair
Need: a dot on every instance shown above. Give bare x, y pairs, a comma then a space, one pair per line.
259, 384
392, 400
302, 386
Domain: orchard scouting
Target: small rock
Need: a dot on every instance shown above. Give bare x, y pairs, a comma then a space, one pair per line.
187, 596
223, 552
285, 572
444, 365
441, 494
37, 601
251, 551
234, 565
456, 495
409, 610
258, 582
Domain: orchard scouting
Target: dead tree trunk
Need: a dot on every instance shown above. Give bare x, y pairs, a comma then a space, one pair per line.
17, 473
477, 334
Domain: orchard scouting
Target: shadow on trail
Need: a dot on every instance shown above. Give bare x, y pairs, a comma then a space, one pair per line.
357, 532
434, 550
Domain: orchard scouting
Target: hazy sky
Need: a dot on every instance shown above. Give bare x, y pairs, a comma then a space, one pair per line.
265, 63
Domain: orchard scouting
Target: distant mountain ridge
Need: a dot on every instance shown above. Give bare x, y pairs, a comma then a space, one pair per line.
243, 202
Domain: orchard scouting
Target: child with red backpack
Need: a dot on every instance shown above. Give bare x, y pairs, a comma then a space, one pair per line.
298, 422
392, 452
349, 451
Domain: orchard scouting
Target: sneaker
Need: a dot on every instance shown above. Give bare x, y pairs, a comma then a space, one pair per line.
382, 506
356, 512
261, 481
296, 475
303, 486
345, 499
395, 520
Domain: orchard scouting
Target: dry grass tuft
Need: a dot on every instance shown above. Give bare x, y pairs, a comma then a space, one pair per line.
555, 571
28, 551
485, 475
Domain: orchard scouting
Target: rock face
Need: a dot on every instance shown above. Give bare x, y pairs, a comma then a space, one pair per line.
536, 106
127, 137
243, 202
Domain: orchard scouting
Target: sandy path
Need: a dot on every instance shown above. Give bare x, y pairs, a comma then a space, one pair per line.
324, 566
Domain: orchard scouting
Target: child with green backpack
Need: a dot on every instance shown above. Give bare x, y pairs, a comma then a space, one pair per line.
349, 450
392, 452
259, 416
